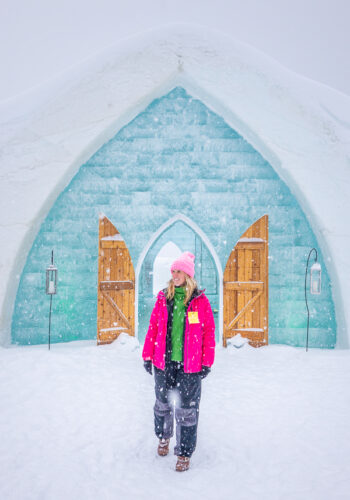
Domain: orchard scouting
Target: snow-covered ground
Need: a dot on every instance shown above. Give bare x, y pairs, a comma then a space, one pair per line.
77, 423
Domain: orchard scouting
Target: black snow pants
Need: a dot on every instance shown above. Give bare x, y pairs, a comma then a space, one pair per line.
172, 382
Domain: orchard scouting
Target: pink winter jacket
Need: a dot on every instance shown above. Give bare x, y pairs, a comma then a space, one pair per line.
199, 334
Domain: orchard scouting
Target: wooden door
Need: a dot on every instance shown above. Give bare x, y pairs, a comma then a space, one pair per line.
116, 285
246, 286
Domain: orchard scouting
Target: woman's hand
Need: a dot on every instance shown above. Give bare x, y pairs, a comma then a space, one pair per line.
204, 371
148, 366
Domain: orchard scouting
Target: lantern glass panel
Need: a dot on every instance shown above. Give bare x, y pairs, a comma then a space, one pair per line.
315, 285
51, 280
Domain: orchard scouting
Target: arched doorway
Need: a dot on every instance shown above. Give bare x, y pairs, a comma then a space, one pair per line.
175, 237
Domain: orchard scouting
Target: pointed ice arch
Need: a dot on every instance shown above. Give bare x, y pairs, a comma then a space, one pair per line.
208, 267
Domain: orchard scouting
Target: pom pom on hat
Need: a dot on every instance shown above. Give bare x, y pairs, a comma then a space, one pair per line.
184, 263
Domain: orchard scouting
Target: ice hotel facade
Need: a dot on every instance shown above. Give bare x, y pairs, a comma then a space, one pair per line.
178, 142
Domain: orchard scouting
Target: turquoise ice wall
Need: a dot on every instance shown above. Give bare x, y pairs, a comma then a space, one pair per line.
175, 157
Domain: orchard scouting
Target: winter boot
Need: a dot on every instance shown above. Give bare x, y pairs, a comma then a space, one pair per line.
182, 464
163, 447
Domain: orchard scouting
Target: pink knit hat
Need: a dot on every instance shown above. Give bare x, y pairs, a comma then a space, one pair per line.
184, 263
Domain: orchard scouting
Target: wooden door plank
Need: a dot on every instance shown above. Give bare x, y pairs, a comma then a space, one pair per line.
114, 306
246, 285
116, 285
243, 310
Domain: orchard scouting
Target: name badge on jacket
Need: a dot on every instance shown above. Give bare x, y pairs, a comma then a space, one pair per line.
193, 317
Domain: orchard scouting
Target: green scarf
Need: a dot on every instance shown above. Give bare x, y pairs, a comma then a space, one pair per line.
177, 331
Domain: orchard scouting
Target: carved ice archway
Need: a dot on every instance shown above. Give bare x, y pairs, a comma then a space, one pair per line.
203, 236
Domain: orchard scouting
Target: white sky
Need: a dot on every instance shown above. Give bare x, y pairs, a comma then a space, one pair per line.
40, 38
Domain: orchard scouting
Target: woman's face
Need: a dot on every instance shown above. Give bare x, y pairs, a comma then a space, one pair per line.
179, 277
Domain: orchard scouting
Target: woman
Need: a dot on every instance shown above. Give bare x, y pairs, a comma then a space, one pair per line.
180, 343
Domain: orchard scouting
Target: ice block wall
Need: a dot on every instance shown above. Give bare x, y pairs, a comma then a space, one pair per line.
177, 156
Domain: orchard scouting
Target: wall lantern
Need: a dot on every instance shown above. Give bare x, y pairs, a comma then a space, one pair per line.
51, 278
315, 278
315, 286
51, 288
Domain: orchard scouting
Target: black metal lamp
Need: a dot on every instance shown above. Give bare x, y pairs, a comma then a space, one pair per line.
315, 278
51, 278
